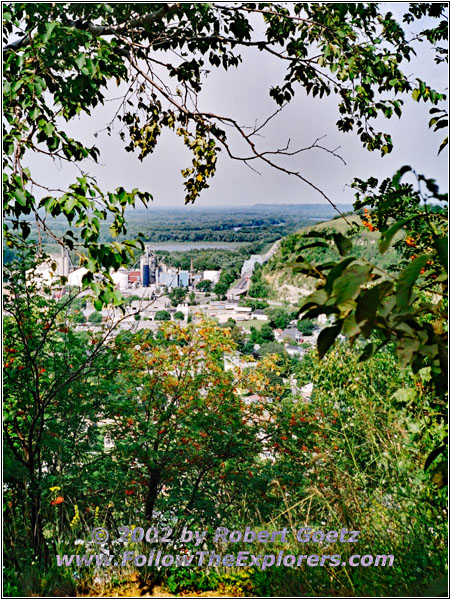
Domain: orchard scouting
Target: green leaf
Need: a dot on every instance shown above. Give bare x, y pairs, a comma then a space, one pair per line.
405, 350
388, 235
435, 453
368, 352
402, 171
347, 286
343, 243
350, 326
405, 395
327, 337
20, 196
368, 304
407, 278
337, 271
49, 27
71, 202
442, 248
80, 61
317, 298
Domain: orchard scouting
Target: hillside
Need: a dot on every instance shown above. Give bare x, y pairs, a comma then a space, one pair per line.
291, 287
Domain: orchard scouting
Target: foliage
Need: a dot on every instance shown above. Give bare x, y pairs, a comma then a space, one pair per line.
192, 298
179, 316
254, 304
162, 315
271, 348
198, 445
258, 288
407, 308
51, 383
226, 279
279, 317
194, 443
95, 317
177, 295
355, 456
205, 285
132, 298
79, 317
67, 54
189, 428
306, 326
262, 335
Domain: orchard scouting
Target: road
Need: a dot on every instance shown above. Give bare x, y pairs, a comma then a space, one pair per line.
242, 285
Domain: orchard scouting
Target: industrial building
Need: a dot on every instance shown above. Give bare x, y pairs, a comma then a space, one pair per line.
158, 274
152, 273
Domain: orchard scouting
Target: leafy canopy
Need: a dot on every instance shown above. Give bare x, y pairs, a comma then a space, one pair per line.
60, 59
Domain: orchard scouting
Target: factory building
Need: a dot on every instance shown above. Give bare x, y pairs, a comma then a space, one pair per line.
148, 267
172, 278
153, 273
212, 276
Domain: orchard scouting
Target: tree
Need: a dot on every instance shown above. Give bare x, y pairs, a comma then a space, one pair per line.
179, 316
236, 333
177, 295
95, 317
271, 348
265, 334
52, 381
187, 429
68, 53
254, 304
162, 315
406, 306
279, 317
226, 279
79, 317
192, 298
258, 288
221, 289
306, 326
205, 285
248, 347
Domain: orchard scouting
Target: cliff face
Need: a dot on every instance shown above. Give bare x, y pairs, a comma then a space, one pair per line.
290, 286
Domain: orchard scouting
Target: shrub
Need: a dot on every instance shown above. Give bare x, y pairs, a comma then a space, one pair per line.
95, 317
305, 327
162, 315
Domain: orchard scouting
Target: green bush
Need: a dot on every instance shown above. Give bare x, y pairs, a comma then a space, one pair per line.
162, 315
95, 317
79, 317
305, 327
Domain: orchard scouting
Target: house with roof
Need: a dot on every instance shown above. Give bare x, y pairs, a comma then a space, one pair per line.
260, 315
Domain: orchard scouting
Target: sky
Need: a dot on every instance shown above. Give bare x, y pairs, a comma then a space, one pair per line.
243, 94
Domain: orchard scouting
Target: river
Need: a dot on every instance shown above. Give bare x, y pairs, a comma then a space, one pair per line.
184, 246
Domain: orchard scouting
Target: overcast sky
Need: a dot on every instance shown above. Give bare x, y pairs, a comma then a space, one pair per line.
243, 94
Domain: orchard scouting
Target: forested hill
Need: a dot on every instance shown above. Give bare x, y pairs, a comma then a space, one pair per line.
258, 224
280, 272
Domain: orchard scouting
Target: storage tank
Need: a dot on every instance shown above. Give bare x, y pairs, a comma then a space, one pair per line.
120, 278
148, 267
75, 278
146, 275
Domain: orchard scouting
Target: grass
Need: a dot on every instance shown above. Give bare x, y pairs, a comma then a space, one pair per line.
252, 323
